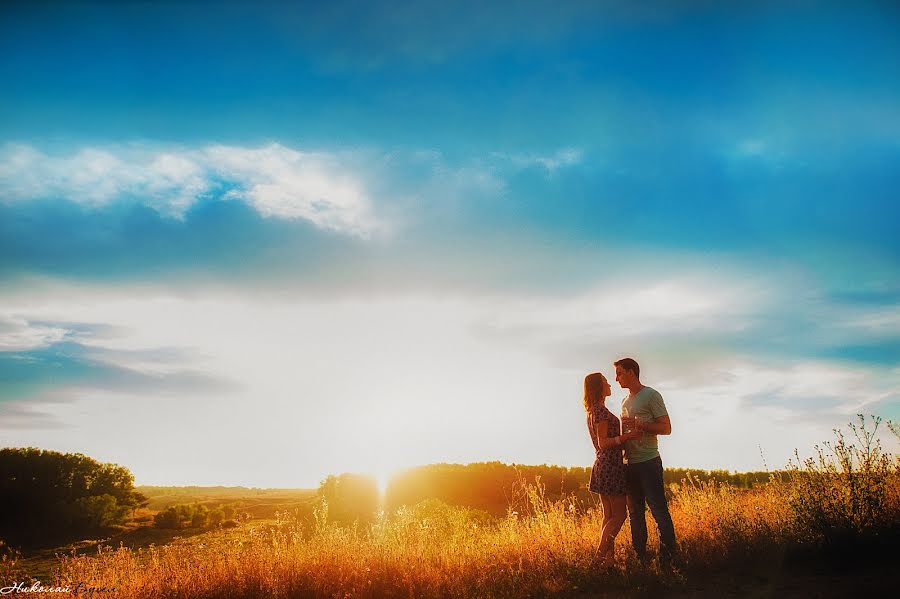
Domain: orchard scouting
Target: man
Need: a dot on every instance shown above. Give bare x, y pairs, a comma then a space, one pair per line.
643, 410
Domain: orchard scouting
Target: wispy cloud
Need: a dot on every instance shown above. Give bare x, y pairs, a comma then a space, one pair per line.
549, 162
718, 342
621, 309
49, 363
17, 334
277, 181
285, 183
764, 343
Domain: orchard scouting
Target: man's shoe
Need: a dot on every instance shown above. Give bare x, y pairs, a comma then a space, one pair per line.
668, 562
643, 559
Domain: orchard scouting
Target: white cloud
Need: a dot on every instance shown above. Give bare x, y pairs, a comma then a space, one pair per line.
551, 163
874, 322
370, 382
17, 334
278, 181
621, 309
284, 183
353, 192
792, 388
565, 157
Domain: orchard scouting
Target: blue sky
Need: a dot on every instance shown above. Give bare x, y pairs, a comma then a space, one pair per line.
417, 227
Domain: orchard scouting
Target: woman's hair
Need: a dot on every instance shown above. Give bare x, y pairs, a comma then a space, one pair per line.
593, 387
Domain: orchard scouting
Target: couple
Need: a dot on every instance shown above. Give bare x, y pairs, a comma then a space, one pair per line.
639, 480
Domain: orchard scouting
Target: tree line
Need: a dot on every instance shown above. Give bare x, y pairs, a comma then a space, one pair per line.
48, 496
195, 515
493, 487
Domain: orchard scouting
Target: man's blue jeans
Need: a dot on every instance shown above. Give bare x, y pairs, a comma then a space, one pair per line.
645, 487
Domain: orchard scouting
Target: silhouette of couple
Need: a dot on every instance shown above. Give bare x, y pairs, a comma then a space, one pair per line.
638, 480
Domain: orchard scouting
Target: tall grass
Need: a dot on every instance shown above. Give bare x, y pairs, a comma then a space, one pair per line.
848, 494
541, 548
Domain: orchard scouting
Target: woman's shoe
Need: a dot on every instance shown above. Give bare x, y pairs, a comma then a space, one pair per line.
604, 563
609, 560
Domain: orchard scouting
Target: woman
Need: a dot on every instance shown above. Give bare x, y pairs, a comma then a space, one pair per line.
608, 473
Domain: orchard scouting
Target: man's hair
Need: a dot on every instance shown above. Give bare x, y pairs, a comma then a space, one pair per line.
629, 364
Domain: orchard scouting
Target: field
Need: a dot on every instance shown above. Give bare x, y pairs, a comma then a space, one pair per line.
256, 506
830, 529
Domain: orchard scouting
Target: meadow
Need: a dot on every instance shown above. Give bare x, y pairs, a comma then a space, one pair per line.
831, 518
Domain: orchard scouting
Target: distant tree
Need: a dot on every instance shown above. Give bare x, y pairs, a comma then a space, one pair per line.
47, 496
98, 511
185, 513
192, 515
489, 486
200, 517
138, 501
495, 487
167, 518
350, 497
216, 516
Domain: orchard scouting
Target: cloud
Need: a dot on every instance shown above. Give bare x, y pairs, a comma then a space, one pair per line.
277, 181
549, 162
238, 213
94, 177
21, 416
17, 334
801, 390
621, 309
747, 338
494, 367
284, 183
43, 363
877, 321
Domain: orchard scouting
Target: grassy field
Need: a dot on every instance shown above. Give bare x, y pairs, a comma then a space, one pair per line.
256, 506
830, 530
256, 503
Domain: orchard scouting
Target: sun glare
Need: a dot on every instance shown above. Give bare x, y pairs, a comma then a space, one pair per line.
382, 479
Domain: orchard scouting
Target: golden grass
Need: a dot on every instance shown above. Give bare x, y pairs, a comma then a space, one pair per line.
434, 550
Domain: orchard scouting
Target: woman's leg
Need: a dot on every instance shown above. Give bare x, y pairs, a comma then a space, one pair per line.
614, 513
618, 513
607, 516
607, 513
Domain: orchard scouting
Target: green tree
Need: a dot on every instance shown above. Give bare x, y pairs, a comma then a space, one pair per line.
97, 511
48, 496
216, 516
200, 518
167, 518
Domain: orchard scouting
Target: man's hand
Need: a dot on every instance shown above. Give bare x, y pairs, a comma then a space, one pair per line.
659, 426
631, 436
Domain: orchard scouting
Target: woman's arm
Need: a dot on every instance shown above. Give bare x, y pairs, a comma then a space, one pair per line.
592, 433
605, 442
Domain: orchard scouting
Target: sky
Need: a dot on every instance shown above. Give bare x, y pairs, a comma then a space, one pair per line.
260, 243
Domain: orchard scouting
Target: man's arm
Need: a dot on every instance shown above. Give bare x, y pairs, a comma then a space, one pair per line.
659, 426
